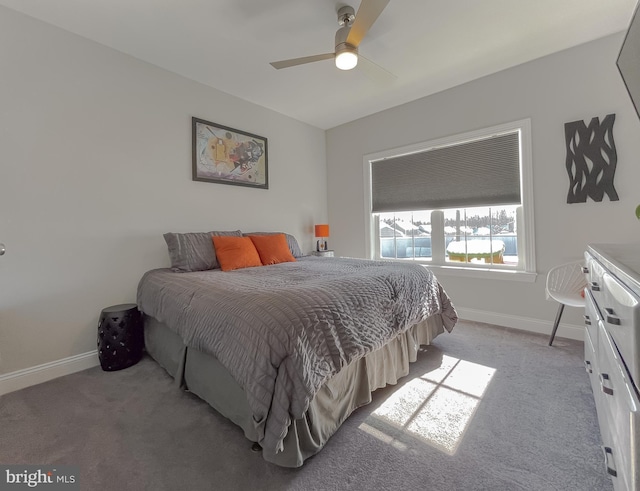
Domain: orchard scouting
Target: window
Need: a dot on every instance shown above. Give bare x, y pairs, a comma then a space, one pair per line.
461, 203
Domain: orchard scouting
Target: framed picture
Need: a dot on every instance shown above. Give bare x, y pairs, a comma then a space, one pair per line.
229, 156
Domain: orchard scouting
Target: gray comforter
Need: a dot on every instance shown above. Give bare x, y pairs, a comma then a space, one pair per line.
283, 330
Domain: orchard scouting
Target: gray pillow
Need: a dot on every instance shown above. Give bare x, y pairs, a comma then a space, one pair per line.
194, 251
291, 241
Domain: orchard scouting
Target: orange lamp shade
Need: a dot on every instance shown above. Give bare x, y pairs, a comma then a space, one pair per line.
322, 230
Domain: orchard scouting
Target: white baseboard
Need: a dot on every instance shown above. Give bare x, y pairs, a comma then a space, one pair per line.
570, 331
42, 373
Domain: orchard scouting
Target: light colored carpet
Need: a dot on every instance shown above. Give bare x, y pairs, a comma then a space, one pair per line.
484, 408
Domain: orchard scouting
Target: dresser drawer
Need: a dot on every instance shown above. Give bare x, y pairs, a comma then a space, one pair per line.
620, 310
590, 358
594, 273
592, 319
593, 370
620, 409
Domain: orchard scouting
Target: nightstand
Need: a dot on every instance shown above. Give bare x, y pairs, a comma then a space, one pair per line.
120, 337
322, 253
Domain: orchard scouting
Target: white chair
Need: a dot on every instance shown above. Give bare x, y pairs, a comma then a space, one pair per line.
565, 284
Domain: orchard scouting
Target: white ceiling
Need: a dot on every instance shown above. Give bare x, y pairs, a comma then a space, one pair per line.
429, 45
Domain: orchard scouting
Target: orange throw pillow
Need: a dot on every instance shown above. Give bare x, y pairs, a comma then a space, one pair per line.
273, 249
235, 252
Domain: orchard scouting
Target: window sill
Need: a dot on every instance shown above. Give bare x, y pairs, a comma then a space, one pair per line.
497, 273
482, 273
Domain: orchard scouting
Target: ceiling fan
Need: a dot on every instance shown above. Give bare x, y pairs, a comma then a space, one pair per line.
348, 38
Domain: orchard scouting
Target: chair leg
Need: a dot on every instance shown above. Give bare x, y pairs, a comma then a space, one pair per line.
555, 325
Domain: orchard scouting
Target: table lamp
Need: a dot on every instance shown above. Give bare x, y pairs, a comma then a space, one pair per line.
322, 231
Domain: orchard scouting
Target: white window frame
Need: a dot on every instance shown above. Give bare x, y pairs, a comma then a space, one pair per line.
526, 269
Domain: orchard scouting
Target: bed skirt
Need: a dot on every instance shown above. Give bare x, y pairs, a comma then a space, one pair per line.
203, 375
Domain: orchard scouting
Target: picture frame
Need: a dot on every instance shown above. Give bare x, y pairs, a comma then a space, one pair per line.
226, 155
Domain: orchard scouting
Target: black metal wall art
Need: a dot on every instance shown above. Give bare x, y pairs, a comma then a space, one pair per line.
591, 159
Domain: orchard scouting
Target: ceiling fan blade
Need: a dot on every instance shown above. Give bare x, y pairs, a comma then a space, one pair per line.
301, 61
367, 14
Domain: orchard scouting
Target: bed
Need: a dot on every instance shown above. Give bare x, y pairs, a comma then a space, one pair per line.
287, 351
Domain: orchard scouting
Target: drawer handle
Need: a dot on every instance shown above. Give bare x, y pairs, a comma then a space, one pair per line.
587, 320
612, 318
608, 454
585, 270
595, 287
587, 366
604, 377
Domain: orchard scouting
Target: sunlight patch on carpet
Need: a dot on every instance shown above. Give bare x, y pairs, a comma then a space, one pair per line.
436, 407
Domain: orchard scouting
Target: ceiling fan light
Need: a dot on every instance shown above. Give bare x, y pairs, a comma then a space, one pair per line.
346, 60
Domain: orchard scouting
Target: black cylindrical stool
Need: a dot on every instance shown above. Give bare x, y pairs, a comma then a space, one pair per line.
120, 337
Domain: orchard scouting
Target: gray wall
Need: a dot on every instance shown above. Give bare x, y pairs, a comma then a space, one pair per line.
95, 165
576, 84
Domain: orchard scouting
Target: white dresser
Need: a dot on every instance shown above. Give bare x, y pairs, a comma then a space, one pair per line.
612, 355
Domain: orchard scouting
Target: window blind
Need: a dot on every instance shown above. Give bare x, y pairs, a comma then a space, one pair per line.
478, 173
